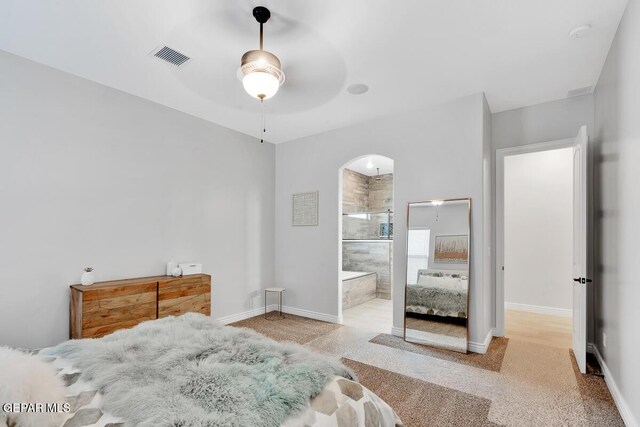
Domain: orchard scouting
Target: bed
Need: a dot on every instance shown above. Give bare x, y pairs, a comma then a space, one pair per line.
192, 371
440, 293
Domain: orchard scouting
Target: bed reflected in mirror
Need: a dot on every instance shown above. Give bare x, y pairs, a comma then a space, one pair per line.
437, 290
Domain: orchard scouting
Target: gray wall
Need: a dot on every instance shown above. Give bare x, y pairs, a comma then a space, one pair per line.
91, 176
488, 210
617, 233
437, 153
542, 122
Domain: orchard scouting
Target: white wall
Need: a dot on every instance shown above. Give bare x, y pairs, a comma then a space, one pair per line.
437, 153
91, 176
538, 228
617, 179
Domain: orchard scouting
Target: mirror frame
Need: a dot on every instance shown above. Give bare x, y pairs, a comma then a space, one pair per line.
406, 268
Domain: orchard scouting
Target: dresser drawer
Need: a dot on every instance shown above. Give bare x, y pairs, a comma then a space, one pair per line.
99, 311
184, 294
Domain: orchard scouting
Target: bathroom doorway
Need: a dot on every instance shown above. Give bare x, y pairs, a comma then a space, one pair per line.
366, 240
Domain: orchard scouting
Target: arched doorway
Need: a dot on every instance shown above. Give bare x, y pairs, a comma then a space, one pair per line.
366, 243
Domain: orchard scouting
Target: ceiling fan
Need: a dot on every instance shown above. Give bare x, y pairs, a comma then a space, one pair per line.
261, 70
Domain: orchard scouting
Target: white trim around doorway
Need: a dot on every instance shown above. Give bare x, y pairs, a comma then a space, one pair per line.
499, 159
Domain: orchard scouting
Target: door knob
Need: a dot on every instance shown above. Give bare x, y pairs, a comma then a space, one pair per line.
582, 280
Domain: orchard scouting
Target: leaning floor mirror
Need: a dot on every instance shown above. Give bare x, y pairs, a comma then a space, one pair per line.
437, 290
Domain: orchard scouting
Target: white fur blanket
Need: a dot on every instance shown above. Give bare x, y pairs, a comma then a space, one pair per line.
192, 371
27, 379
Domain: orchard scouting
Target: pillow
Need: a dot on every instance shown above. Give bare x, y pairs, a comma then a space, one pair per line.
462, 275
446, 282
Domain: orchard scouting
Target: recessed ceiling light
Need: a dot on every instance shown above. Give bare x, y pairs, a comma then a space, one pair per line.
579, 31
357, 89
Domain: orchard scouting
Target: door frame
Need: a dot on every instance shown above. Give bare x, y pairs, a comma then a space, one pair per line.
501, 154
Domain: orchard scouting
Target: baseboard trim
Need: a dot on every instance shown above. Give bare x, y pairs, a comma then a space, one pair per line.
621, 403
311, 314
474, 347
564, 312
398, 332
225, 320
481, 347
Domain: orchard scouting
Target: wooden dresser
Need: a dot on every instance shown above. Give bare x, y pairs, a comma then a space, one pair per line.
104, 307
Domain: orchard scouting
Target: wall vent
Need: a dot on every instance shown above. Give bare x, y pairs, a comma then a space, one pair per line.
580, 91
170, 56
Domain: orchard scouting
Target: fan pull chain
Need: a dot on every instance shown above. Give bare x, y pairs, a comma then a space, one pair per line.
262, 122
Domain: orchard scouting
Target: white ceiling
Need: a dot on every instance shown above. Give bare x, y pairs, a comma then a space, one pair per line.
362, 164
411, 54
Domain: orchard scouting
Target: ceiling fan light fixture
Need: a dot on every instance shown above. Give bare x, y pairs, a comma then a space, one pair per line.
260, 85
261, 70
261, 74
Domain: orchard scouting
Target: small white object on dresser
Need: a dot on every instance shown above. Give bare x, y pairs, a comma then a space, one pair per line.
190, 268
87, 277
171, 265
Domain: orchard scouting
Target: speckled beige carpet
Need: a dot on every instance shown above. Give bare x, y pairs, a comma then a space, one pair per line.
599, 405
491, 360
420, 403
519, 383
292, 328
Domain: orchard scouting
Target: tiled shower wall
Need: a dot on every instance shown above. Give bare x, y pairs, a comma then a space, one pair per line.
362, 193
381, 192
355, 192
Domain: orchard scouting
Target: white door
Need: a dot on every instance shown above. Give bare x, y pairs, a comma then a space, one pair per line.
580, 280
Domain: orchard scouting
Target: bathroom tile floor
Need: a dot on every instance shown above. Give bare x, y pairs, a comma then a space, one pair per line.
375, 315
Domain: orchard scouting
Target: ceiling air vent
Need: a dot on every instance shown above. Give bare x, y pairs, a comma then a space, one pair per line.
580, 91
170, 56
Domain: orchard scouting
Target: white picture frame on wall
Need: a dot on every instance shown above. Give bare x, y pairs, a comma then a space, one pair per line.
304, 211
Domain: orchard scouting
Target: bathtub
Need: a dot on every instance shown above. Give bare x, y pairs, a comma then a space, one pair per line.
357, 287
348, 275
